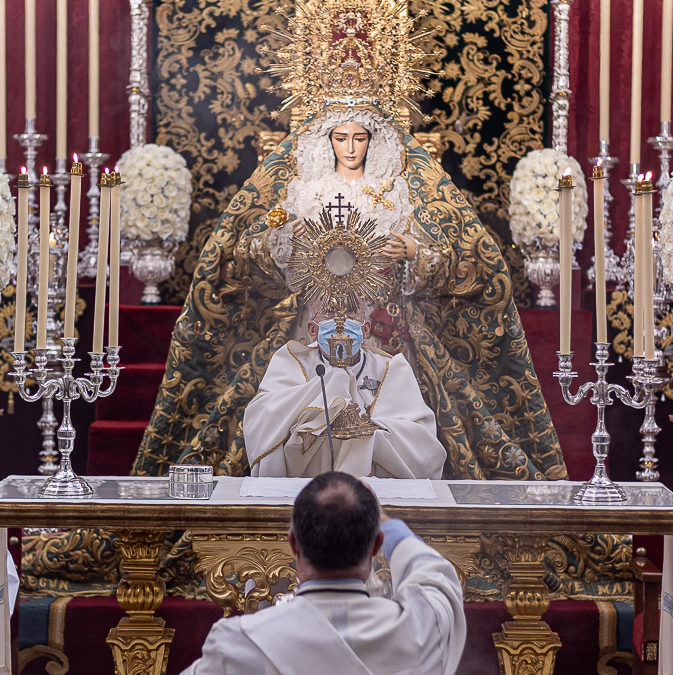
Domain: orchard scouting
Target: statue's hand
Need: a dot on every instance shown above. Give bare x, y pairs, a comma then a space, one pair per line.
400, 247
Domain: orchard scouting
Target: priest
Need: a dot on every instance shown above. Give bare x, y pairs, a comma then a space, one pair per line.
381, 424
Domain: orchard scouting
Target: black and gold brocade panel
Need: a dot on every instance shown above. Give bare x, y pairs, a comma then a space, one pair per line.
211, 102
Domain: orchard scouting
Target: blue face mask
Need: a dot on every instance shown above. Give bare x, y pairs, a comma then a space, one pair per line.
327, 328
353, 329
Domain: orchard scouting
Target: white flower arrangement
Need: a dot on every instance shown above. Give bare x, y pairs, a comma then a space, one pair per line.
666, 233
7, 229
534, 203
156, 195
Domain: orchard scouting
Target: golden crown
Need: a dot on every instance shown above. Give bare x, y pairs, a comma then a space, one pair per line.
349, 52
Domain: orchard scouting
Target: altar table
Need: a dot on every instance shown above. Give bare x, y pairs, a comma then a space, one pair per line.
246, 538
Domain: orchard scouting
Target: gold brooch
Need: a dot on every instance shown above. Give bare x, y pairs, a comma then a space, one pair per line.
377, 197
277, 217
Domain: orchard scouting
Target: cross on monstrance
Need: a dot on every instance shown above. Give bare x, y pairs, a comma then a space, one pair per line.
339, 208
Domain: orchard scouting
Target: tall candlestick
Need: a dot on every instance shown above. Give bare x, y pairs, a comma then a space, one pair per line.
101, 267
115, 218
604, 76
636, 79
21, 264
93, 67
73, 248
30, 59
638, 271
3, 80
598, 177
565, 258
43, 278
61, 78
648, 267
666, 59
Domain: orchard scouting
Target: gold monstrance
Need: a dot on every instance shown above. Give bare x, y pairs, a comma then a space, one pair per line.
341, 264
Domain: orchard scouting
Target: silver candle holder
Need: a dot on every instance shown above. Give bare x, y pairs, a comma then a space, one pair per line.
600, 489
612, 269
67, 388
88, 257
663, 144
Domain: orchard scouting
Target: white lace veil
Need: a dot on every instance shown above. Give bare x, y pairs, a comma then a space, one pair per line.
317, 182
315, 156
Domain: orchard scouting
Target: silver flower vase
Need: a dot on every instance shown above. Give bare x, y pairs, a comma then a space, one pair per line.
152, 261
542, 269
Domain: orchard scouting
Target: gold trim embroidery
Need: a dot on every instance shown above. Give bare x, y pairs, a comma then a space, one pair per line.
376, 398
303, 370
268, 452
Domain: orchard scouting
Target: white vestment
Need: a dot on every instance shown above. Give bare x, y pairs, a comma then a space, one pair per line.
334, 628
285, 430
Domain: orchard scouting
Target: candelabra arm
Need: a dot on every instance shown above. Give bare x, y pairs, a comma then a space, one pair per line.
565, 375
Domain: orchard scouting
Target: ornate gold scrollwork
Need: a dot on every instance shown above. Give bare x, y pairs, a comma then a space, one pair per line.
228, 561
526, 646
140, 642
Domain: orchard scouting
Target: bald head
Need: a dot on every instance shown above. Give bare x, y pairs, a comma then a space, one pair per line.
335, 521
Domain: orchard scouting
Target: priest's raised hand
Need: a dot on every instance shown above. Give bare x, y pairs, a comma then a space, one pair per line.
382, 425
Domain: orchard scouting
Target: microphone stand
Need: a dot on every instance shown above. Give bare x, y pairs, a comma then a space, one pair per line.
320, 371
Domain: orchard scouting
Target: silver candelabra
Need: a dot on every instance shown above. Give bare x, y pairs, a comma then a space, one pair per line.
94, 159
600, 489
67, 388
612, 269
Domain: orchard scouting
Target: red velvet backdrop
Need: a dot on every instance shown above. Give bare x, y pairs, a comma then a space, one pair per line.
115, 48
584, 103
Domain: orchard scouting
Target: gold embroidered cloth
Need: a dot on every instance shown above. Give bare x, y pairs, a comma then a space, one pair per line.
472, 358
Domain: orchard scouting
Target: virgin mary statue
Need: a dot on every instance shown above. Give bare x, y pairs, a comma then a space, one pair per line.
448, 305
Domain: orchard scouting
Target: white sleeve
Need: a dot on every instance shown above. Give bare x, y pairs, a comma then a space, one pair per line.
427, 586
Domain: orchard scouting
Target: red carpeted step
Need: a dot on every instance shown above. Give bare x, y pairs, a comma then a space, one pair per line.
145, 332
135, 394
113, 445
88, 621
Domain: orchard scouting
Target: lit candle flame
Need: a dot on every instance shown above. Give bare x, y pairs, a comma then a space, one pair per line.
45, 171
567, 172
641, 177
599, 162
75, 158
648, 175
107, 169
116, 169
24, 170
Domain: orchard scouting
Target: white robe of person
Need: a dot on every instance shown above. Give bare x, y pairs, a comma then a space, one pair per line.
285, 430
339, 630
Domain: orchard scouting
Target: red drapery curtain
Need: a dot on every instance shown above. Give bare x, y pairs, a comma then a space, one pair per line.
115, 48
584, 103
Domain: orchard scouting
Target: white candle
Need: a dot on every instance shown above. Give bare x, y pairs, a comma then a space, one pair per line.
599, 255
638, 273
648, 268
93, 67
101, 268
21, 264
30, 58
3, 81
73, 247
666, 59
61, 78
604, 77
115, 217
565, 259
636, 79
43, 278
